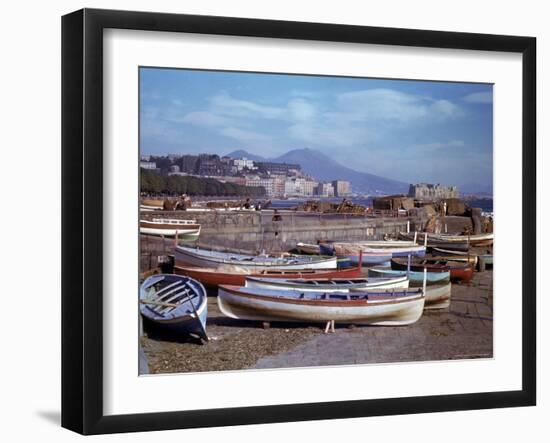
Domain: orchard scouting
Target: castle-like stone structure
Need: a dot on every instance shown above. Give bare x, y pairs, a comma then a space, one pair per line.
425, 191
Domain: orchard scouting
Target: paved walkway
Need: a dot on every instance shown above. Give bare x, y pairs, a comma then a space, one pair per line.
465, 330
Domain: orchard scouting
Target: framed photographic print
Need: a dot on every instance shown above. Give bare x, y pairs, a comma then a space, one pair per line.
269, 221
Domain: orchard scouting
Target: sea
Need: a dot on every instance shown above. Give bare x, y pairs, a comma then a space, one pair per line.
486, 204
292, 203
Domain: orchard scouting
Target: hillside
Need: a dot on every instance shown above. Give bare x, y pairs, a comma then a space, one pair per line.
323, 168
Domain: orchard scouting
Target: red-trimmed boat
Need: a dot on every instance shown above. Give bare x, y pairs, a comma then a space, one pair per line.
237, 276
460, 271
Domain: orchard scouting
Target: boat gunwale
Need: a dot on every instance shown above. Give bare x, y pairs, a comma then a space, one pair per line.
397, 299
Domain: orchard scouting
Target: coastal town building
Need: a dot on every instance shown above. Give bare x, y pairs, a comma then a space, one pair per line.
430, 192
147, 165
278, 179
299, 187
342, 188
240, 164
324, 190
275, 168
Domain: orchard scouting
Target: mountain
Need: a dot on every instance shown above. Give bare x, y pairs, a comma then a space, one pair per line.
324, 168
241, 153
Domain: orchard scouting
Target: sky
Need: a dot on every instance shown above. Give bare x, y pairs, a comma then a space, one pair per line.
412, 131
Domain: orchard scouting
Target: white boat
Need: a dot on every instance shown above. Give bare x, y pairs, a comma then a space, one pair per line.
389, 308
308, 248
444, 240
186, 229
213, 259
438, 296
328, 284
387, 243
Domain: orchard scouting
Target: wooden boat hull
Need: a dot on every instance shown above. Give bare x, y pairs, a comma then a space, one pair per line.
189, 316
438, 296
355, 256
181, 233
167, 229
216, 277
255, 304
371, 255
367, 260
212, 259
307, 248
416, 278
458, 271
471, 259
447, 240
328, 285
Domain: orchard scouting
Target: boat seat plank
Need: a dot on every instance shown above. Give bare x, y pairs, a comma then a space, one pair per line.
167, 287
166, 295
177, 295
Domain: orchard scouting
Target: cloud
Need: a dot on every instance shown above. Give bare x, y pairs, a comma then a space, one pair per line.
479, 97
227, 105
244, 135
301, 109
205, 119
439, 146
389, 104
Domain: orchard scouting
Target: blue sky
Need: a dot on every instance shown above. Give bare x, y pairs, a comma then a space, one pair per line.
413, 131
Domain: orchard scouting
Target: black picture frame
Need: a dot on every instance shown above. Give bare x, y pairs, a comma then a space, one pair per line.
82, 218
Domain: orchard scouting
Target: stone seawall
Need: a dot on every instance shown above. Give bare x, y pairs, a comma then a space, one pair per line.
256, 231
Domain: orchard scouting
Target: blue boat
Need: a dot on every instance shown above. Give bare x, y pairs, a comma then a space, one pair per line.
415, 277
175, 302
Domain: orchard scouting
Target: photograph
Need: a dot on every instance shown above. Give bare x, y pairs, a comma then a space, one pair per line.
294, 221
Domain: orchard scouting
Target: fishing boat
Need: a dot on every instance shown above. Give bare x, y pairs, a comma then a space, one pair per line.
438, 296
453, 256
175, 302
488, 258
148, 205
213, 259
438, 240
183, 229
368, 248
459, 271
390, 308
308, 248
354, 254
236, 275
415, 278
387, 243
443, 251
328, 284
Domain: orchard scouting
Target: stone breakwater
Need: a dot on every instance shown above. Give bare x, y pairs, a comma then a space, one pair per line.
257, 230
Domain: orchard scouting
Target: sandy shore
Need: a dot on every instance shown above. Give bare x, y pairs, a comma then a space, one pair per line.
465, 330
